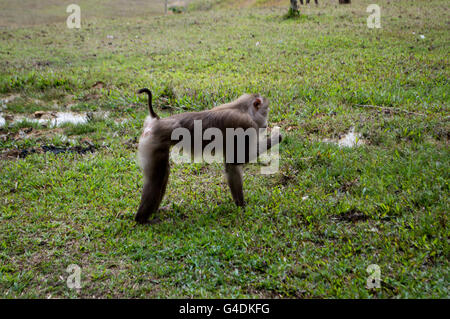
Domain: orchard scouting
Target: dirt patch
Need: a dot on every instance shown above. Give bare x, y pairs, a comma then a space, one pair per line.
284, 179
30, 133
22, 153
353, 215
347, 185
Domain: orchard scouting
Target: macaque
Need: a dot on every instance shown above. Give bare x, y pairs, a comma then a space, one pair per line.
249, 111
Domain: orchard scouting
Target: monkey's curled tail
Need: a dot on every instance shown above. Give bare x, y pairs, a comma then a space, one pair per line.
149, 93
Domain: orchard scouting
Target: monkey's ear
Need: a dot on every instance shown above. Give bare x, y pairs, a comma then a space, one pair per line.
257, 103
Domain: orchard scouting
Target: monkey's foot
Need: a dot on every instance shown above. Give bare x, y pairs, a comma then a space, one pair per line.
144, 219
152, 221
241, 203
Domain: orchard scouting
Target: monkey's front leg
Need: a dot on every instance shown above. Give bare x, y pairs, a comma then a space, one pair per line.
233, 173
156, 175
274, 139
262, 146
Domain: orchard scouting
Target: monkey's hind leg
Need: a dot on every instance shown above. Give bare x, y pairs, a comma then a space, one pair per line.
233, 173
156, 175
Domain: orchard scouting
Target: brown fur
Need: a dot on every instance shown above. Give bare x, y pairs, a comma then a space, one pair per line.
248, 111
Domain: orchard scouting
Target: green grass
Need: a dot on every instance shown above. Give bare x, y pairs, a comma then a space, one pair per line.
309, 231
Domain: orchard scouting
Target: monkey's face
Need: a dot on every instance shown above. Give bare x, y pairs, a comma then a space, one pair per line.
260, 110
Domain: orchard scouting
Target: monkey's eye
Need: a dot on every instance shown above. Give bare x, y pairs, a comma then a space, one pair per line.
257, 103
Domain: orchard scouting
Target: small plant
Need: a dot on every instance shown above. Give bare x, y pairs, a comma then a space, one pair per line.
292, 14
177, 9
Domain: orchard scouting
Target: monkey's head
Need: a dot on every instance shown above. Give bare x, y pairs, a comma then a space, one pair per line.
259, 109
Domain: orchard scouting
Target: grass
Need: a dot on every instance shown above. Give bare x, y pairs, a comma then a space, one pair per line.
309, 231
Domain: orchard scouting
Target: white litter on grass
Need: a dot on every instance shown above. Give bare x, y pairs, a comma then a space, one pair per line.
56, 119
422, 36
257, 43
110, 37
350, 139
53, 119
66, 117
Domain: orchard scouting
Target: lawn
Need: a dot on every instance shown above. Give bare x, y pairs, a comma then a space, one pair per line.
68, 194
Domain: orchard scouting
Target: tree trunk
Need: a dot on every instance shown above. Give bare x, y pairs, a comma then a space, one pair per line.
294, 5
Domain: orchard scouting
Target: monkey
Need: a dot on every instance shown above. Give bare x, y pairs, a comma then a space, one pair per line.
249, 111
